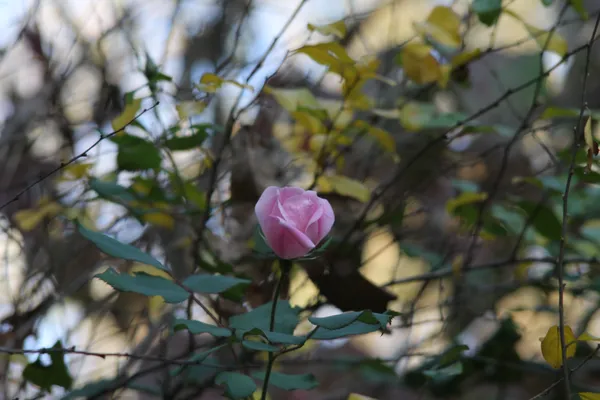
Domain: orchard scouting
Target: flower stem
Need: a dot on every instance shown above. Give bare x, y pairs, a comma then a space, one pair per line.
285, 265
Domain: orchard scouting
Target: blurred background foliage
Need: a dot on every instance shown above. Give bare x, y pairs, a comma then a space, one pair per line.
444, 133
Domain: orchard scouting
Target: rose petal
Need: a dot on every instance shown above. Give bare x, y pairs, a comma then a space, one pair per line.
326, 221
292, 243
289, 191
273, 231
313, 227
298, 210
265, 205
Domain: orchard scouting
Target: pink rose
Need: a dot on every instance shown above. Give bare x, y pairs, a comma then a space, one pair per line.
293, 220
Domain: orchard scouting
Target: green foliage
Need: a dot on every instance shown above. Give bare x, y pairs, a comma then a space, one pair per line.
213, 284
136, 153
116, 249
487, 11
46, 376
197, 327
237, 386
349, 324
286, 319
322, 132
142, 283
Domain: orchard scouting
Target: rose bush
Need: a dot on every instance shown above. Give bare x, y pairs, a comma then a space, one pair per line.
293, 220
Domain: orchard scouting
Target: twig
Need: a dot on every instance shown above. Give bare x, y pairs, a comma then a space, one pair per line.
547, 391
565, 214
286, 265
83, 154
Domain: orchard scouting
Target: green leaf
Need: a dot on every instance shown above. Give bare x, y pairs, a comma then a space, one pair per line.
108, 386
116, 249
453, 354
286, 318
148, 285
198, 359
136, 153
197, 327
345, 319
348, 324
440, 375
111, 191
213, 284
186, 142
237, 386
547, 3
487, 11
46, 376
259, 346
289, 381
355, 328
545, 221
283, 338
375, 370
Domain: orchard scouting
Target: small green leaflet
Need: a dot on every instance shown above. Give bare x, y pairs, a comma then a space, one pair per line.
116, 249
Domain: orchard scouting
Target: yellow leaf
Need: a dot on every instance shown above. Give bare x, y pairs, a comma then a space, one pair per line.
150, 270
587, 133
360, 101
257, 395
355, 396
159, 219
187, 109
419, 64
337, 29
551, 348
587, 337
554, 43
309, 121
344, 186
464, 199
332, 55
75, 171
382, 136
442, 25
210, 83
445, 72
127, 115
324, 53
317, 142
464, 58
291, 99
30, 218
335, 109
522, 271
589, 396
390, 114
457, 265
